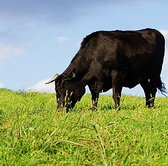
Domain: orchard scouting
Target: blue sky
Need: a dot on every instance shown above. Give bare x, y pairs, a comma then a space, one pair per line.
38, 38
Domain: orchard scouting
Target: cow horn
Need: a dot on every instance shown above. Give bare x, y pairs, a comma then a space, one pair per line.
52, 79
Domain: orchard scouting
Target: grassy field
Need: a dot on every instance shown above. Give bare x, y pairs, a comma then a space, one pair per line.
33, 132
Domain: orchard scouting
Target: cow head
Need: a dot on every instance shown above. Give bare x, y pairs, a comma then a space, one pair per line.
69, 90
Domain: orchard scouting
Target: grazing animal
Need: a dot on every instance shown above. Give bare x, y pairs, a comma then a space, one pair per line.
113, 59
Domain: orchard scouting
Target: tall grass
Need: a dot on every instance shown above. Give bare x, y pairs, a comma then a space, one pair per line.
33, 132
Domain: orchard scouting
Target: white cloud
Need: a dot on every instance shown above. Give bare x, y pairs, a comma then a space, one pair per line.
1, 85
42, 87
62, 39
9, 51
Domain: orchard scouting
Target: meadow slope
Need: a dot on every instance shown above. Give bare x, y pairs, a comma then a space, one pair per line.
33, 132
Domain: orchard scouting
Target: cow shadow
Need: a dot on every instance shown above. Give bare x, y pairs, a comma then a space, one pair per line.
104, 108
122, 108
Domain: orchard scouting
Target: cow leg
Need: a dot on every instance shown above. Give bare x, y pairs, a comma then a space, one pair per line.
150, 89
117, 82
95, 97
145, 86
153, 90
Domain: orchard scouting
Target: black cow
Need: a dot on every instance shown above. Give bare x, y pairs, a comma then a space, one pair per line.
113, 59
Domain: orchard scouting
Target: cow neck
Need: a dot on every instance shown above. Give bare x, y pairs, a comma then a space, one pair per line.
78, 67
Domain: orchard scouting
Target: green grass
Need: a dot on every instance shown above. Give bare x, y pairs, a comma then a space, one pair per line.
33, 132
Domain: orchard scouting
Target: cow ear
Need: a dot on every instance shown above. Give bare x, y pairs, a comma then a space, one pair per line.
73, 75
70, 76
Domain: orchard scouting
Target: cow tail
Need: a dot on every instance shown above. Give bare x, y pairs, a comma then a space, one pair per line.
161, 87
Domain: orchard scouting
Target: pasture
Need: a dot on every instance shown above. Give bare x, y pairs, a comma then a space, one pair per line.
33, 132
